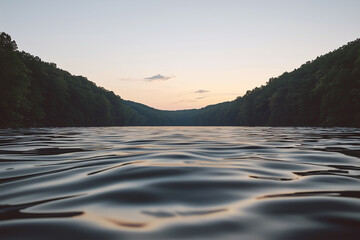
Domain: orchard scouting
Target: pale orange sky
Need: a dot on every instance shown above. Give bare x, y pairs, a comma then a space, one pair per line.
162, 52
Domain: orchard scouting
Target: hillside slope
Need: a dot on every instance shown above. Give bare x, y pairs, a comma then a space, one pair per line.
36, 93
322, 92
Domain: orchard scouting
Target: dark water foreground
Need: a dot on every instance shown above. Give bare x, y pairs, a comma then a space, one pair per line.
180, 183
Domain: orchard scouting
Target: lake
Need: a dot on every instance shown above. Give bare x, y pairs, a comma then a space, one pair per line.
180, 183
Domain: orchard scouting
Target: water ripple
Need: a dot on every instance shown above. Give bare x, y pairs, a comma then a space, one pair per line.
180, 183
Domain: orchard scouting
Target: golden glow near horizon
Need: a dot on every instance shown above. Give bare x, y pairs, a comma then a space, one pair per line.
163, 53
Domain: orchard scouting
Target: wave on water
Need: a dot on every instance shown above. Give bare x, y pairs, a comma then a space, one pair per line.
180, 183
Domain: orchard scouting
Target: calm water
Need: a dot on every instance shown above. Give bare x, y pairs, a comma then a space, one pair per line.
180, 183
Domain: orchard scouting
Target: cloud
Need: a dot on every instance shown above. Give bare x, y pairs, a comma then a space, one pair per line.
158, 77
202, 91
201, 97
187, 100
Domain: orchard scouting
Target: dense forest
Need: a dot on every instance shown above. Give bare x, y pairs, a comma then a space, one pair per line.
322, 92
36, 93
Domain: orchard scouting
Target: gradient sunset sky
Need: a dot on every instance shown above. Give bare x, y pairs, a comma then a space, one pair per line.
180, 54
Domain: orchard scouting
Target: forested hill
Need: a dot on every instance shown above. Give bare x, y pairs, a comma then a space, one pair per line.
36, 93
145, 115
323, 92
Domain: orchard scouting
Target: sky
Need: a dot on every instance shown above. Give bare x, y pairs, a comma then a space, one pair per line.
179, 54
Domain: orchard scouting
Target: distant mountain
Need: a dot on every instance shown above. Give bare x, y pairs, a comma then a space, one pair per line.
153, 117
322, 92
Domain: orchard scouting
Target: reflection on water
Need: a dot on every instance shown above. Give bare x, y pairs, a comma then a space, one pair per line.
180, 183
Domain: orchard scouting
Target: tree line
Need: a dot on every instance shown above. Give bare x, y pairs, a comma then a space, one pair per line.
322, 92
34, 93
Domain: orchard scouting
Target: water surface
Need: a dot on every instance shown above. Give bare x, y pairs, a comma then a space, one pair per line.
180, 183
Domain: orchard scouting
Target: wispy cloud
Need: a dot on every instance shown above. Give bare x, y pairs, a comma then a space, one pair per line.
202, 91
186, 100
158, 78
201, 97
